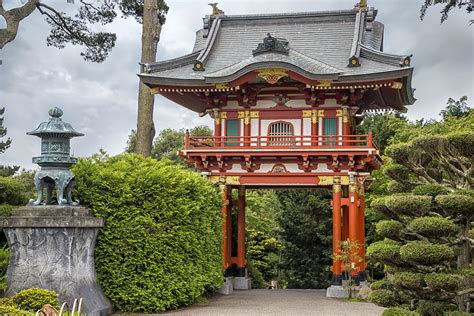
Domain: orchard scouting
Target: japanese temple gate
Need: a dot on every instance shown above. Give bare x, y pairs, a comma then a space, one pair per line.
286, 92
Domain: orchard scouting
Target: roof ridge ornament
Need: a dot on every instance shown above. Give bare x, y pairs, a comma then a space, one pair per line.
215, 10
272, 44
361, 5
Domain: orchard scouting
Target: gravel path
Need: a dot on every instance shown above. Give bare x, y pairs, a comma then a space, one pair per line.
279, 302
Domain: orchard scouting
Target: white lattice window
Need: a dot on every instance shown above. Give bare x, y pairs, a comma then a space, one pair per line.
278, 133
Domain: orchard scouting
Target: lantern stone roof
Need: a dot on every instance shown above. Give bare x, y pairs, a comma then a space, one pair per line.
321, 45
55, 126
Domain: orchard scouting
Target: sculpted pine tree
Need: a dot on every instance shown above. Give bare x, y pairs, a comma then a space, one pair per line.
77, 30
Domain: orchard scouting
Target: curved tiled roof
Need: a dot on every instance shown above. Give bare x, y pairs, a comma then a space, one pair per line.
320, 46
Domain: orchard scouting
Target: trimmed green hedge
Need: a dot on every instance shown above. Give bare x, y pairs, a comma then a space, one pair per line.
389, 228
396, 311
380, 285
161, 246
408, 280
12, 191
385, 251
408, 204
433, 226
34, 299
443, 281
426, 253
456, 203
430, 189
13, 311
431, 308
383, 298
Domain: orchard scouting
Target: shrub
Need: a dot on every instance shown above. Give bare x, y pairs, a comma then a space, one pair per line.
433, 226
397, 172
389, 228
396, 311
385, 251
443, 281
430, 308
34, 299
380, 284
379, 205
426, 253
408, 204
256, 276
12, 310
6, 210
166, 222
398, 187
4, 256
430, 189
12, 191
456, 203
408, 280
382, 297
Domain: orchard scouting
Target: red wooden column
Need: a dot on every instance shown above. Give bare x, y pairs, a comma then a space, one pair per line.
354, 220
362, 227
314, 127
345, 222
241, 229
225, 201
336, 230
229, 224
346, 126
247, 128
217, 128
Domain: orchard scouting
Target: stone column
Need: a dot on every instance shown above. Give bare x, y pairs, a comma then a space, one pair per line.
52, 247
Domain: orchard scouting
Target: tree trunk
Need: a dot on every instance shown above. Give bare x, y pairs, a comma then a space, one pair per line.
464, 260
150, 37
12, 18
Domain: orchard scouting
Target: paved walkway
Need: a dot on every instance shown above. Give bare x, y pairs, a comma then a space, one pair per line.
279, 302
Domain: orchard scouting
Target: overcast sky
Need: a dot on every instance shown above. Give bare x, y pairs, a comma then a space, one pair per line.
100, 100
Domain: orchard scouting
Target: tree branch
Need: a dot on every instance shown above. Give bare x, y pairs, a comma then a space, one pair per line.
13, 18
62, 23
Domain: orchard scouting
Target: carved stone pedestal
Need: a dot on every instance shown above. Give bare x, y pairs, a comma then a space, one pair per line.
52, 247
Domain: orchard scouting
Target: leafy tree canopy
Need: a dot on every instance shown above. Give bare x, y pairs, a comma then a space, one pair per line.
448, 6
78, 29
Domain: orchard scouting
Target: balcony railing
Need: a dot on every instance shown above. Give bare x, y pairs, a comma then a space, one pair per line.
202, 143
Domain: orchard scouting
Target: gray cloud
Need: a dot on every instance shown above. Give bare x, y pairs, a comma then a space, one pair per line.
100, 99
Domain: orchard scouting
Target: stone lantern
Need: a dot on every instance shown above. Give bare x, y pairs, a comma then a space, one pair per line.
55, 160
52, 246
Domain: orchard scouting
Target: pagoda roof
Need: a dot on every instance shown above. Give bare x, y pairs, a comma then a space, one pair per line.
320, 47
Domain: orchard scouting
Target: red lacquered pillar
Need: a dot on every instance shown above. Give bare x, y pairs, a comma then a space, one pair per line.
336, 232
362, 228
241, 229
354, 221
225, 201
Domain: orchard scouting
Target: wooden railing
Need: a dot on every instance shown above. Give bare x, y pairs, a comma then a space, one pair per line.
279, 142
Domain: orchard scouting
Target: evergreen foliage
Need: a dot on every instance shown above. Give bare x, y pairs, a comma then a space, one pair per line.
161, 247
383, 297
4, 256
396, 311
4, 144
12, 191
34, 299
305, 222
167, 144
